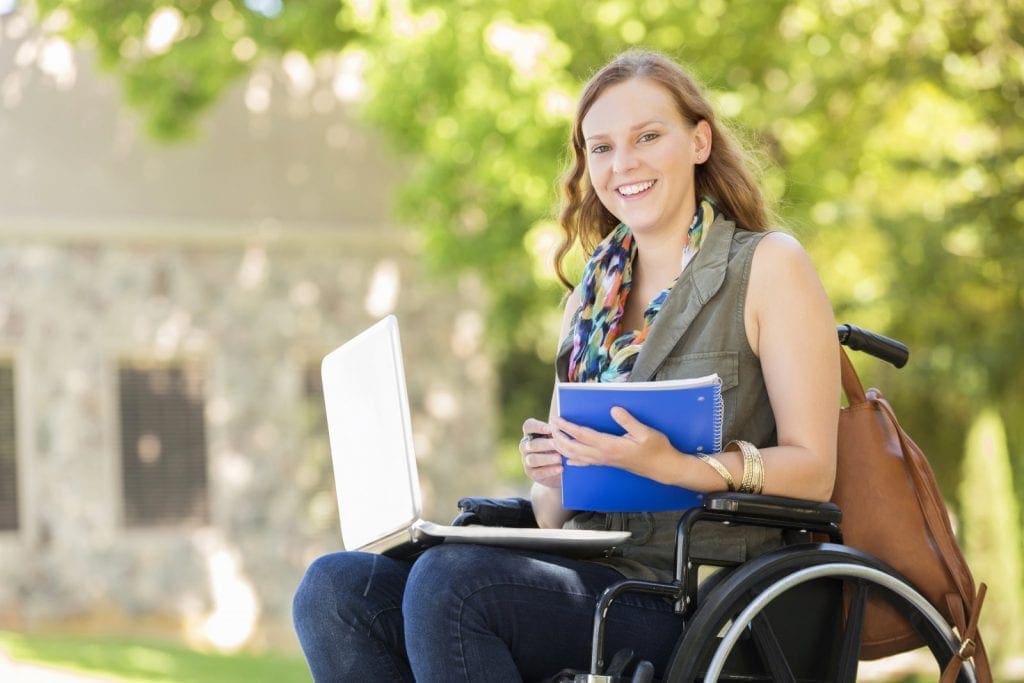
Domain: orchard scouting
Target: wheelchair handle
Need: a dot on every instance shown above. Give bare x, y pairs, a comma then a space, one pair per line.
884, 348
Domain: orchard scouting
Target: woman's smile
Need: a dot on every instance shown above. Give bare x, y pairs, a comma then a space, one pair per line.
635, 190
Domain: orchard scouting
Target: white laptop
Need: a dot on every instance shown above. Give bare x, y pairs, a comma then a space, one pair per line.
375, 468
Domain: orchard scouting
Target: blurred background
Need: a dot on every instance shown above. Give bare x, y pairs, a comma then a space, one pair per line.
198, 199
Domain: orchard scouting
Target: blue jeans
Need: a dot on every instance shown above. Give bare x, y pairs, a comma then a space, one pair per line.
467, 613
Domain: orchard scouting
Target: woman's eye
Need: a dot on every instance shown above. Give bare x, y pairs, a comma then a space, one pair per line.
647, 137
599, 149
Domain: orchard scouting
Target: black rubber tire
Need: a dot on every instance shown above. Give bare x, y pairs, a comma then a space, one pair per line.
771, 638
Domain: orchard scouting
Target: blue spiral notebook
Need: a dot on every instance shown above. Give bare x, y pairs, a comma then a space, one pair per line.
689, 412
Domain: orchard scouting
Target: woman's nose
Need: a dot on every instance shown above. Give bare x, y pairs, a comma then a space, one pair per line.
625, 160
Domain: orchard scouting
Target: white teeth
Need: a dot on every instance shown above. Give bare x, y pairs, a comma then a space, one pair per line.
637, 188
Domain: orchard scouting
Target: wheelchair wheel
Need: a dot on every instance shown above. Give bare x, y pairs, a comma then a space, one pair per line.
781, 617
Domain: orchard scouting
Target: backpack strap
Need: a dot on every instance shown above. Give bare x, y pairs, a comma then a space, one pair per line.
966, 606
852, 387
970, 640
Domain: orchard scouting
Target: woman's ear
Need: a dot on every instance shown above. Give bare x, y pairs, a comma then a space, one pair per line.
701, 141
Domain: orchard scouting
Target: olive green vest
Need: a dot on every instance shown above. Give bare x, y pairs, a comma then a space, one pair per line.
699, 330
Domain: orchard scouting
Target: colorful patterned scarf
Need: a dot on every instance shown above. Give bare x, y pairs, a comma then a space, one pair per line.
601, 351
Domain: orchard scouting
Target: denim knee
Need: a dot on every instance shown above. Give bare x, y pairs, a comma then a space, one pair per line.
441, 570
349, 580
446, 634
439, 582
316, 594
347, 616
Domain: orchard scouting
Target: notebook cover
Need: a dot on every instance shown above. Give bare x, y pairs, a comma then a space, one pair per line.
690, 416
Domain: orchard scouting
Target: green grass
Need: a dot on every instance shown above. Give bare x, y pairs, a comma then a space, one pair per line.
141, 661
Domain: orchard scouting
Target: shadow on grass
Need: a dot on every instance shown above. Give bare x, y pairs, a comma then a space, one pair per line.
149, 661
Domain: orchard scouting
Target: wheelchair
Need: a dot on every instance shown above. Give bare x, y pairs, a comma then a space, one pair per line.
792, 614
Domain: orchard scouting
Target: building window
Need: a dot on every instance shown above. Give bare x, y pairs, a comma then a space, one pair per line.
163, 444
8, 451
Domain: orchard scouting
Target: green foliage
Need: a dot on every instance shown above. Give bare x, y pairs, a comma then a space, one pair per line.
991, 530
892, 133
149, 662
214, 44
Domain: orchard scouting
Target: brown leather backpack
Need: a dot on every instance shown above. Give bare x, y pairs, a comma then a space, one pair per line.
893, 510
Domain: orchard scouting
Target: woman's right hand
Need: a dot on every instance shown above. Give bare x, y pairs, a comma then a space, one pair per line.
541, 461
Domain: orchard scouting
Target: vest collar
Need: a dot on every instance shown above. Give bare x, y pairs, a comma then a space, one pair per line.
699, 281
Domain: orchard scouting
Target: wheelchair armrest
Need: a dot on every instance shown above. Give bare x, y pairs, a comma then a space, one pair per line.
774, 508
747, 509
509, 512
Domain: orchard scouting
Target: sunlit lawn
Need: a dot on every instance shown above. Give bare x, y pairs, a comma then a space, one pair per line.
140, 661
149, 661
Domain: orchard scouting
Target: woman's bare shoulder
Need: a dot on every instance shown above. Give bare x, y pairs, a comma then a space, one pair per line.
780, 255
785, 290
777, 245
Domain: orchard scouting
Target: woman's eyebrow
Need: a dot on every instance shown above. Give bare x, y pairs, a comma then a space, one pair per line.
635, 127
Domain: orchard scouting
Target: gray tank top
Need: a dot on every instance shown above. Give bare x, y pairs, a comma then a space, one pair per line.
699, 330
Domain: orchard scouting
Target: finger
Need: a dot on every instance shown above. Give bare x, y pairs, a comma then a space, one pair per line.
579, 432
542, 459
534, 426
538, 444
562, 442
578, 452
545, 470
535, 457
548, 476
624, 419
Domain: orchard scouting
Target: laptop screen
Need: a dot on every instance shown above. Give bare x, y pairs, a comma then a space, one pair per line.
370, 435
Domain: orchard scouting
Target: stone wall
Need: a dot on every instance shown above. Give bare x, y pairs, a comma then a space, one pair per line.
256, 316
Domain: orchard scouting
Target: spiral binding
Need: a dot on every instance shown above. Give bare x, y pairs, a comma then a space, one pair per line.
719, 416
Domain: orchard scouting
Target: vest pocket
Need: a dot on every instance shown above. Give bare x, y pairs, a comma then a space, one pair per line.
689, 365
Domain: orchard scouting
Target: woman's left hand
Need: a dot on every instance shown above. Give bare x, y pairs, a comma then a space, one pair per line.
639, 450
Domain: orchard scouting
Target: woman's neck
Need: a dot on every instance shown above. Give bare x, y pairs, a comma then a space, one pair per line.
658, 260
659, 251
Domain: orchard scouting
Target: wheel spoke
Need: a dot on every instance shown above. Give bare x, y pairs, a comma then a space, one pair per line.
771, 652
849, 651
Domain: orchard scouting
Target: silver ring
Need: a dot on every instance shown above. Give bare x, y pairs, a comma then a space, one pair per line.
525, 440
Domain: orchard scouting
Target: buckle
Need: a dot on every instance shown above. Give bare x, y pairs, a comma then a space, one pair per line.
966, 650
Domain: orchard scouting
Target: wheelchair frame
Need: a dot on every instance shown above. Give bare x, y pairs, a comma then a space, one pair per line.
737, 605
741, 604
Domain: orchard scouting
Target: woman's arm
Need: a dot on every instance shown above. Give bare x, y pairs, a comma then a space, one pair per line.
542, 462
790, 327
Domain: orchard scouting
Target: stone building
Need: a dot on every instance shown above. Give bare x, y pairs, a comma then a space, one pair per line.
163, 457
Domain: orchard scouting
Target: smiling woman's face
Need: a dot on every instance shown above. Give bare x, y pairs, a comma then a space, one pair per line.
641, 155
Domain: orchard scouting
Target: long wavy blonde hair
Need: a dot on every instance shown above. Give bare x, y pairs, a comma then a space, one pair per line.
726, 177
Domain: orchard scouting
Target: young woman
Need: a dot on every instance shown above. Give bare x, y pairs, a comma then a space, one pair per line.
683, 280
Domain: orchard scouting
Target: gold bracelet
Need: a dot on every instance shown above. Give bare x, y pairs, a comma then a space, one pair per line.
749, 469
746, 484
716, 464
758, 472
753, 467
760, 486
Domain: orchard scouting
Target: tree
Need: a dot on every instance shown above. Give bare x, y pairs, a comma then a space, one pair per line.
893, 137
993, 540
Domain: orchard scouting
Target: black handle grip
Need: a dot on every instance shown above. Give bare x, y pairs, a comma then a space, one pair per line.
881, 347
